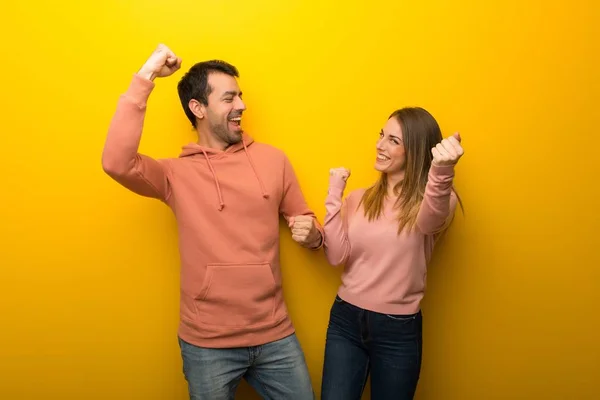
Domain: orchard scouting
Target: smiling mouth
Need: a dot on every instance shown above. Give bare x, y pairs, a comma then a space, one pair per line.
235, 121
381, 157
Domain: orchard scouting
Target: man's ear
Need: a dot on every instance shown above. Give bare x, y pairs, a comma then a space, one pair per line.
197, 108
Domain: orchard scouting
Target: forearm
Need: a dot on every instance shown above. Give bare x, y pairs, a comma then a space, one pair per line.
120, 158
336, 244
125, 131
437, 206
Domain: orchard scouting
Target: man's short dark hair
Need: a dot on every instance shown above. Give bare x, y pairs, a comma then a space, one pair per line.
194, 84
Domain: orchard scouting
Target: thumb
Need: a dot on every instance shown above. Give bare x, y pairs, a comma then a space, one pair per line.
457, 136
291, 221
171, 61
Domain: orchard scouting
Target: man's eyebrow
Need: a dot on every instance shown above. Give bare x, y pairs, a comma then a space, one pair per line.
231, 93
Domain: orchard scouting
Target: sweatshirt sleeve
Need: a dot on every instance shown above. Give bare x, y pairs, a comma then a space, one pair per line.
336, 246
439, 201
120, 158
293, 202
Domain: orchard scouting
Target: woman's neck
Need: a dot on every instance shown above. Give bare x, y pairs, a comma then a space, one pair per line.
392, 181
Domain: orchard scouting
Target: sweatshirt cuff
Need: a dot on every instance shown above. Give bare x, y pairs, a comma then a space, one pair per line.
336, 184
139, 90
442, 171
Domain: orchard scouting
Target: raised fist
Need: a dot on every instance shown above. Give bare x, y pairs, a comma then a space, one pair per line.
161, 63
341, 173
304, 230
448, 151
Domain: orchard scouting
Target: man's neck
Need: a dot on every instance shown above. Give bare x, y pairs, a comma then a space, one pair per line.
208, 139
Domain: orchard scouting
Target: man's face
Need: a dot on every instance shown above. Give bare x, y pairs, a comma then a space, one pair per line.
225, 108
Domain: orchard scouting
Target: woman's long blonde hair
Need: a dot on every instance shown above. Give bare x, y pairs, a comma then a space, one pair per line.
420, 133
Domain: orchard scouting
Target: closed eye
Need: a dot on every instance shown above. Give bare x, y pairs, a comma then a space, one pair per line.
395, 139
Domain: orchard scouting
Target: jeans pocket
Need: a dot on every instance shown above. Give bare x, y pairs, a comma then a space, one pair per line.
402, 318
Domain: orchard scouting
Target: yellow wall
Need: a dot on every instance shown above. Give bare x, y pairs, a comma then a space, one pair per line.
89, 273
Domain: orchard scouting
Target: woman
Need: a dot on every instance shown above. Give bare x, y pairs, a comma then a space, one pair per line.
384, 236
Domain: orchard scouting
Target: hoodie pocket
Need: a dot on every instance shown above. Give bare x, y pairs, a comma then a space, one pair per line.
237, 295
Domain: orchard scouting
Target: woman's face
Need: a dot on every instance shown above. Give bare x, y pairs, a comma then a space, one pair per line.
391, 156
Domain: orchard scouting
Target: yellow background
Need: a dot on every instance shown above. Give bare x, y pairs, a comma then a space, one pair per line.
89, 271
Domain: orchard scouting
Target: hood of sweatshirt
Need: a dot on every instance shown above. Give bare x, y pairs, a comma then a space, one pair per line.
196, 150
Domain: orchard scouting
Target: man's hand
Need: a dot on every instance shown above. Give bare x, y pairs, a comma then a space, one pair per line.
447, 152
304, 231
163, 62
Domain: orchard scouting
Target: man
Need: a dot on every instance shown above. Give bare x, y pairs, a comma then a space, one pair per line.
227, 193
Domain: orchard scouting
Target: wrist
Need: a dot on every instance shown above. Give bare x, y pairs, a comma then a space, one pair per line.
316, 242
442, 165
337, 182
146, 74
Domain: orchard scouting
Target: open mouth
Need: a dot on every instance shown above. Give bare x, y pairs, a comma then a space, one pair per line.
382, 158
235, 122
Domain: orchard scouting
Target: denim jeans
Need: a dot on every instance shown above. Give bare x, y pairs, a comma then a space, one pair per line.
361, 342
276, 370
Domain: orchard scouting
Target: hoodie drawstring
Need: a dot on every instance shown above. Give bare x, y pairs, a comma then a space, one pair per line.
262, 187
214, 174
221, 203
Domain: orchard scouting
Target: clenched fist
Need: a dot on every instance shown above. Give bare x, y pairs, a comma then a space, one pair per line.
161, 63
341, 172
304, 231
448, 151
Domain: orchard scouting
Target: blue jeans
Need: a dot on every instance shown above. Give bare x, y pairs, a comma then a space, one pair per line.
361, 342
276, 370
